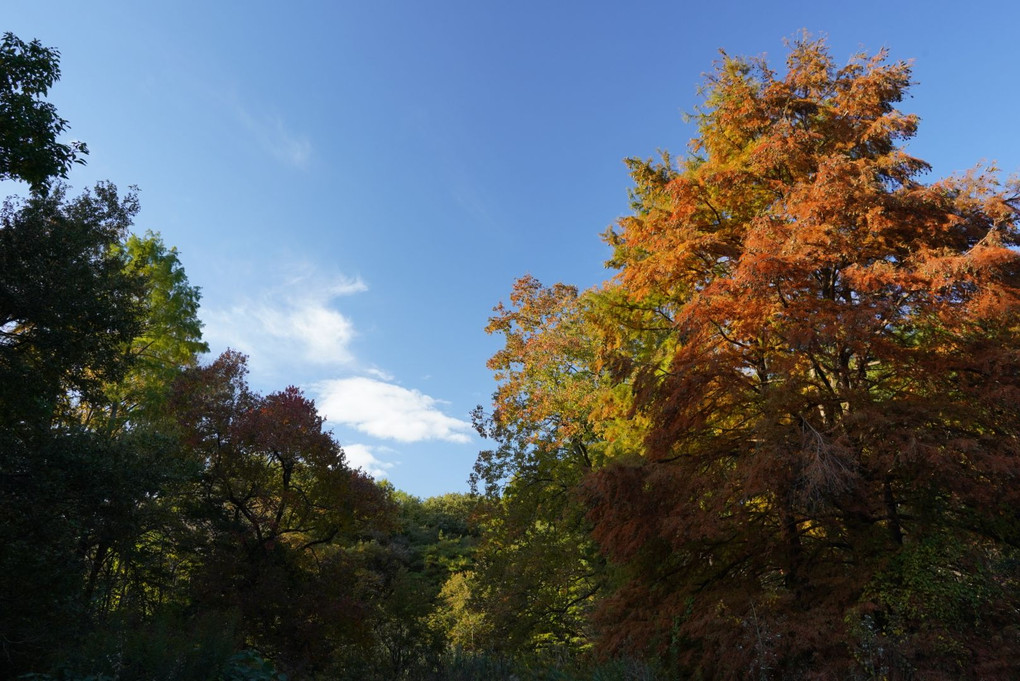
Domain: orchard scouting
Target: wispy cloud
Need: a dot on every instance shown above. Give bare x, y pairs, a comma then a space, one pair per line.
294, 322
380, 374
388, 411
365, 457
275, 138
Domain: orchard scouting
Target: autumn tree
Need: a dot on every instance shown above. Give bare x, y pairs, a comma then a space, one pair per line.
274, 510
797, 393
827, 482
537, 570
559, 414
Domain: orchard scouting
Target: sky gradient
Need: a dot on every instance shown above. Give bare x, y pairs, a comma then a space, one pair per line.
354, 186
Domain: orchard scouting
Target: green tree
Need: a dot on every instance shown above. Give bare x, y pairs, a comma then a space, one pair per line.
403, 572
67, 308
68, 303
94, 325
168, 341
128, 559
30, 128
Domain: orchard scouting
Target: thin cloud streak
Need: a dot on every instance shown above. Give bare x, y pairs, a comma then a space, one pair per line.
273, 136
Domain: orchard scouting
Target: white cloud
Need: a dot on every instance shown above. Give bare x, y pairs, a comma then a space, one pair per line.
389, 411
365, 457
291, 323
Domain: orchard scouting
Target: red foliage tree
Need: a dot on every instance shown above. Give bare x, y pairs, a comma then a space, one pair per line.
281, 505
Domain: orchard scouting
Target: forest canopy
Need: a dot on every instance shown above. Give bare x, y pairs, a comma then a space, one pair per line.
780, 442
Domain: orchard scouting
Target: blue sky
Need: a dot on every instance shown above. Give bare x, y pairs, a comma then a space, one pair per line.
354, 186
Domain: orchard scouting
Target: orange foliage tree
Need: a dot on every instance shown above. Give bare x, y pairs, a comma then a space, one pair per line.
826, 479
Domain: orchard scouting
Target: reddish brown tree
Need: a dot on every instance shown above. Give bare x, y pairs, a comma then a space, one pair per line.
829, 482
279, 506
